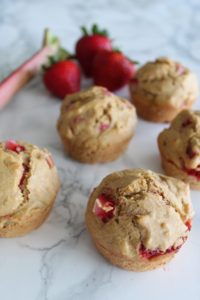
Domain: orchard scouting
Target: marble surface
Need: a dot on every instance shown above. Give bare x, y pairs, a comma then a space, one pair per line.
59, 261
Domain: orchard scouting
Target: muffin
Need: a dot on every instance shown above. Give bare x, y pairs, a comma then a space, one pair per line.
161, 89
29, 185
139, 219
95, 125
179, 147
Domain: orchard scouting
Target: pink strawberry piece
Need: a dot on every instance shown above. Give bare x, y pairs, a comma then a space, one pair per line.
180, 69
23, 178
186, 123
13, 146
103, 127
50, 161
104, 208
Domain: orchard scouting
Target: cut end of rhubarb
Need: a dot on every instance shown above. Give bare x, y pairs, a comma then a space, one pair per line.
11, 145
56, 53
104, 208
49, 39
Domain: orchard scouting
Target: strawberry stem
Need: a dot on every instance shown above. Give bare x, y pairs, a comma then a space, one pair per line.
94, 30
84, 31
17, 79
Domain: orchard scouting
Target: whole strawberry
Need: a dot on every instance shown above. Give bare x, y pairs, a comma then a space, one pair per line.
112, 69
89, 45
62, 78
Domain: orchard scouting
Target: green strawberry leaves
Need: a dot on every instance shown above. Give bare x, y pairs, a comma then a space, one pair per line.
60, 55
94, 30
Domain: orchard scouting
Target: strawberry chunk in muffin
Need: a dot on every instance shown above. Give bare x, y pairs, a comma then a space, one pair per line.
14, 146
104, 207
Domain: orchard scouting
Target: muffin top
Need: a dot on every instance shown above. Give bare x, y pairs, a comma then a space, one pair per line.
28, 177
137, 210
180, 143
167, 82
96, 116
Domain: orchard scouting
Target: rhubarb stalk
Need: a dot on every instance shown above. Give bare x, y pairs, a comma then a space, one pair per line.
17, 79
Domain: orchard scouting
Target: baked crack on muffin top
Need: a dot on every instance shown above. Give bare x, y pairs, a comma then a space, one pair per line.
138, 213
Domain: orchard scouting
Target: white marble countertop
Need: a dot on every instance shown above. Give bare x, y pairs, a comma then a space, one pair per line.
58, 261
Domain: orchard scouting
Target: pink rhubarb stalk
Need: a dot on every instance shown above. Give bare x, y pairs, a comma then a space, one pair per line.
17, 79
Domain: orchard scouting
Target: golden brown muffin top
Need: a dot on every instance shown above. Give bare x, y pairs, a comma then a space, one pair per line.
167, 82
96, 116
142, 209
180, 143
28, 177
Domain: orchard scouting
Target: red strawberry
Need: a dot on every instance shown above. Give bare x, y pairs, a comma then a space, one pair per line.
63, 78
89, 45
112, 69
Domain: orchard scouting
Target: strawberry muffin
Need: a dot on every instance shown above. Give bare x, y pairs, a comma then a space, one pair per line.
29, 185
95, 125
161, 89
179, 147
139, 219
